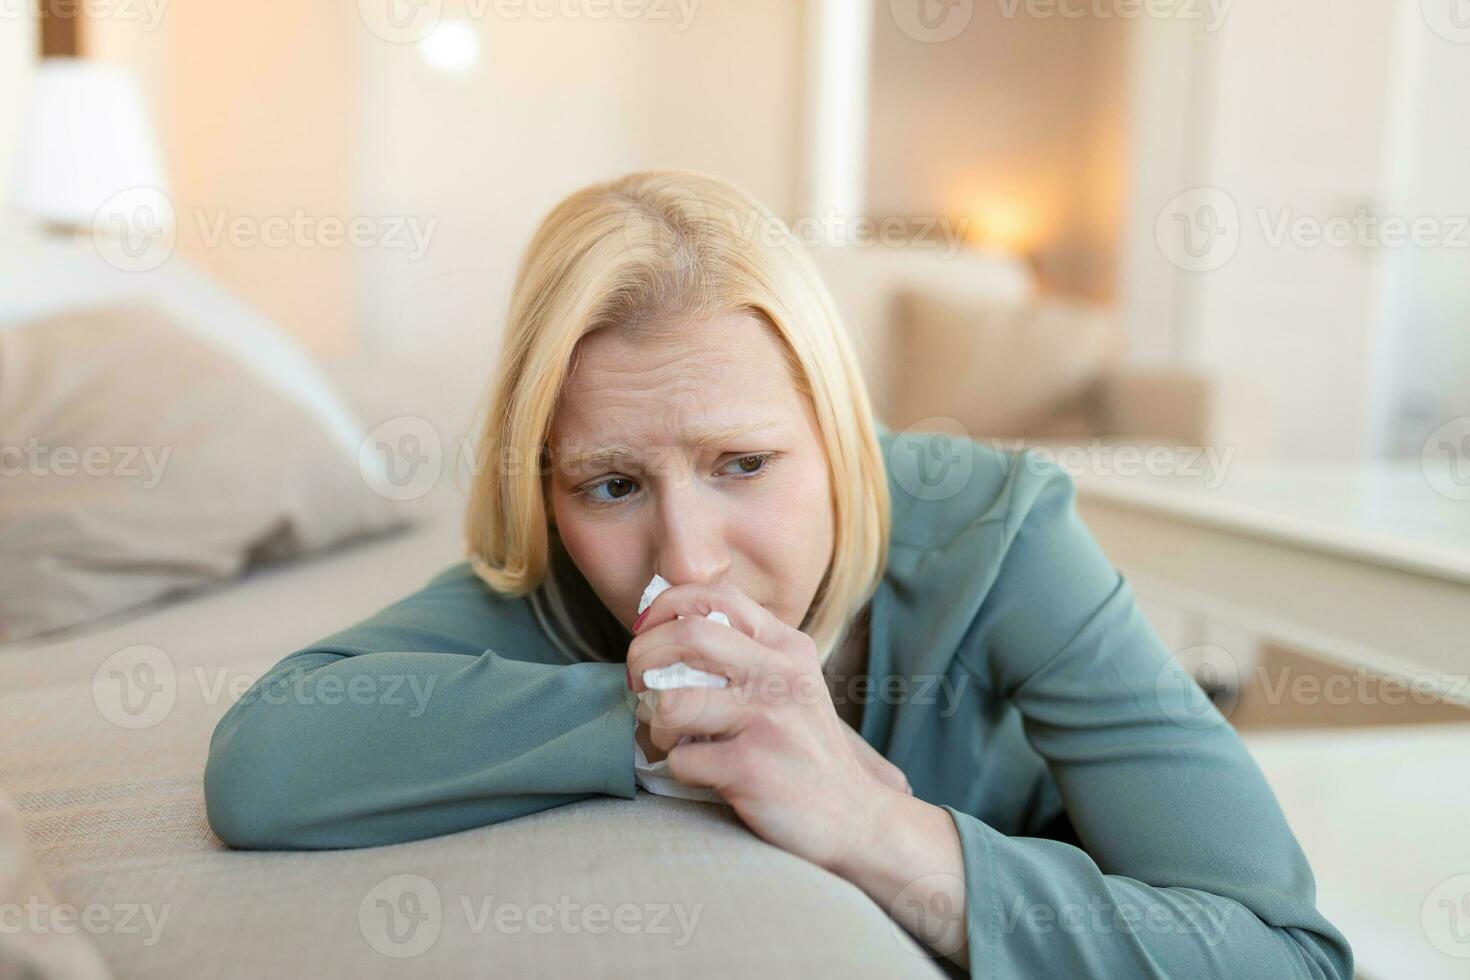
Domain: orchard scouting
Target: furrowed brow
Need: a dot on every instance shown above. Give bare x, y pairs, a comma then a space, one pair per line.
621, 452
590, 458
720, 437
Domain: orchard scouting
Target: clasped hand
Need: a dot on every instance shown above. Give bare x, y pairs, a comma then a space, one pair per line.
778, 753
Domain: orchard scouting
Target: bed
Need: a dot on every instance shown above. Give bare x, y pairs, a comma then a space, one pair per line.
107, 860
114, 818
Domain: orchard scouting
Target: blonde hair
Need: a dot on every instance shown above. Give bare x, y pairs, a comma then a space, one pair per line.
641, 253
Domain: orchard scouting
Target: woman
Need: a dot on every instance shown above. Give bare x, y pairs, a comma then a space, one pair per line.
677, 396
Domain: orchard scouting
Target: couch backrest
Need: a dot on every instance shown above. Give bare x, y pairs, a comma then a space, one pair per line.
864, 280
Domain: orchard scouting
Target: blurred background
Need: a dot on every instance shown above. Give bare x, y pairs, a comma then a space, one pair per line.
1212, 256
1057, 133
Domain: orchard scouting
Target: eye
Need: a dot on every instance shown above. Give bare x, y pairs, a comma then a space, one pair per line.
618, 487
752, 464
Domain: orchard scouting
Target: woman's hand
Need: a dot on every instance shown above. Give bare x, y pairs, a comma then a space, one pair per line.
795, 773
878, 767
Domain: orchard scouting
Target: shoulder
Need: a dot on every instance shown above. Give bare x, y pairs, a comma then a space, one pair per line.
460, 589
977, 530
945, 486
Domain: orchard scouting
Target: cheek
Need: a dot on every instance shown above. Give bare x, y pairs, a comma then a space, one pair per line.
601, 551
793, 528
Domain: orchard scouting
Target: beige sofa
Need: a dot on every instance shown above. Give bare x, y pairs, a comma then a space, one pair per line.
107, 823
114, 828
964, 341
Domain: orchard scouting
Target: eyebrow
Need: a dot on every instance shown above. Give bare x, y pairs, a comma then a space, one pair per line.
622, 451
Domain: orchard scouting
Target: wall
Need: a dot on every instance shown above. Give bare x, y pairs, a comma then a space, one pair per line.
280, 108
1423, 379
1016, 123
19, 44
1298, 135
551, 106
254, 108
1170, 78
1279, 117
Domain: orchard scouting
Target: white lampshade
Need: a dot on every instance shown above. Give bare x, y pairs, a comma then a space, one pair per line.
86, 138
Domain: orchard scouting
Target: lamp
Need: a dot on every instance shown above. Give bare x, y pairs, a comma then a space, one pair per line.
86, 139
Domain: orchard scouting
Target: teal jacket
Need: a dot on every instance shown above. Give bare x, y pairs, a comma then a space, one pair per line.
1111, 820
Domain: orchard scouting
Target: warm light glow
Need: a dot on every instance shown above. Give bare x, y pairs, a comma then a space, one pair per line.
1011, 211
451, 47
1004, 224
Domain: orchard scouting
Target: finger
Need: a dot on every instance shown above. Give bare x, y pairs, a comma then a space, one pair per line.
707, 711
698, 600
701, 764
702, 644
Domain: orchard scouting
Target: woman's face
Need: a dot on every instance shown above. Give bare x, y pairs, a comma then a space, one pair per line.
707, 467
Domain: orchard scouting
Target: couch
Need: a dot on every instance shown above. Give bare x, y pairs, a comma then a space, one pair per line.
113, 820
966, 341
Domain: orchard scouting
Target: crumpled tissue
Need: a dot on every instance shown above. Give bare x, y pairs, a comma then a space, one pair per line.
655, 776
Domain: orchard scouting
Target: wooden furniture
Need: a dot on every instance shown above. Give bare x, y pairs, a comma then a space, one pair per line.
1363, 564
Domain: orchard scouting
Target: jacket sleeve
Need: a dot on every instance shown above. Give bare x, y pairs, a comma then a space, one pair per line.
1187, 866
409, 724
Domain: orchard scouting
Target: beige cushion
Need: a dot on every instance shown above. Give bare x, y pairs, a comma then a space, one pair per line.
1170, 405
1001, 370
133, 831
40, 937
114, 809
866, 280
139, 460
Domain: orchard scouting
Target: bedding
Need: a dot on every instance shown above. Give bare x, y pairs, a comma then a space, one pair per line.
102, 746
34, 940
62, 275
139, 460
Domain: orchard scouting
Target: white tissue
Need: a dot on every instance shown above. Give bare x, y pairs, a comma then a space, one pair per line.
680, 674
655, 776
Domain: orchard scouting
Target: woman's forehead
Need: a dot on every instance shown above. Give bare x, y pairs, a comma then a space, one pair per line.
732, 339
708, 386
696, 375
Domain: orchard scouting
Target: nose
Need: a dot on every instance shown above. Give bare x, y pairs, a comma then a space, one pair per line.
691, 541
